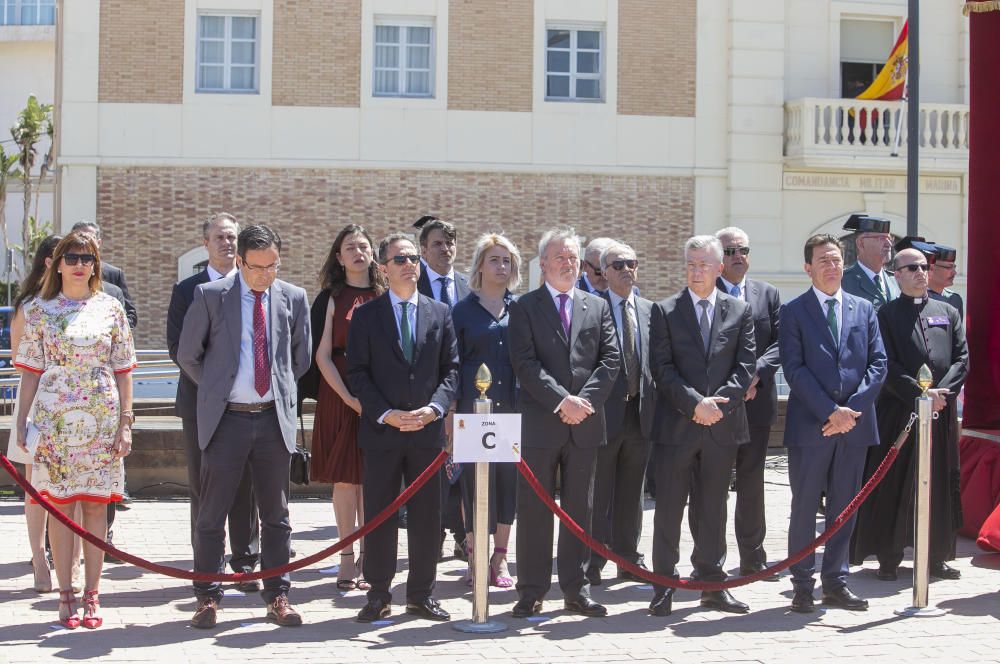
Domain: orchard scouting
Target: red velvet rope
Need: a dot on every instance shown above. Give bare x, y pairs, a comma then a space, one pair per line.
341, 544
670, 582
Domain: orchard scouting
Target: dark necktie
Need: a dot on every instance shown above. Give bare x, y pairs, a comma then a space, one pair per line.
564, 312
628, 349
445, 295
261, 364
878, 286
406, 336
831, 319
704, 323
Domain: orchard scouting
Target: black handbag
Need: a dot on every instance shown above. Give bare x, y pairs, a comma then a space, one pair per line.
299, 468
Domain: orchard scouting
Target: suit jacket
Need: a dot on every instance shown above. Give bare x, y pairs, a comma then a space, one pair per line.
857, 283
614, 407
462, 289
823, 375
550, 367
114, 292
114, 275
185, 405
209, 350
762, 410
685, 374
383, 380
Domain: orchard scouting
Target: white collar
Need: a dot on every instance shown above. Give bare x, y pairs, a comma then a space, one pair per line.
214, 274
395, 299
711, 297
823, 297
555, 294
434, 276
617, 299
729, 286
871, 275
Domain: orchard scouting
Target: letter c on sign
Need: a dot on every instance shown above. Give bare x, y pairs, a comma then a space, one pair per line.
486, 436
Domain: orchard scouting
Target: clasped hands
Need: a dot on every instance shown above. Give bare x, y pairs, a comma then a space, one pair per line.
939, 398
410, 420
707, 412
842, 420
574, 410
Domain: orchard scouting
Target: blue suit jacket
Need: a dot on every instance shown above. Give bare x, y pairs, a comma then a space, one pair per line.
823, 375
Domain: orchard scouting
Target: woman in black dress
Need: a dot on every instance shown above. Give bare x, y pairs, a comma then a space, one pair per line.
481, 328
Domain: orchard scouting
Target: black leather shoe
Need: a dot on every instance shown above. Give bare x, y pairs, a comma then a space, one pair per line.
594, 576
722, 600
886, 574
585, 606
662, 604
374, 610
845, 599
526, 607
803, 602
625, 575
944, 571
747, 570
429, 609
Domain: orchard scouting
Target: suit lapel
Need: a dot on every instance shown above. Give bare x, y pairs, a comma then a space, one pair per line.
846, 321
232, 309
388, 319
547, 308
819, 316
423, 323
642, 315
718, 320
276, 303
688, 311
580, 309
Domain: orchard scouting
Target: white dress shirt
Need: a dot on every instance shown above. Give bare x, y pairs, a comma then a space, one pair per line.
215, 275
742, 286
839, 308
436, 285
711, 303
243, 390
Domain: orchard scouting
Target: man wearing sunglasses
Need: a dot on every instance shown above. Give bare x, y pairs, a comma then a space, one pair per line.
628, 414
916, 331
942, 276
592, 278
402, 363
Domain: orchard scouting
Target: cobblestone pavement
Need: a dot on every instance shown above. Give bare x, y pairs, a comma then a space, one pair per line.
146, 616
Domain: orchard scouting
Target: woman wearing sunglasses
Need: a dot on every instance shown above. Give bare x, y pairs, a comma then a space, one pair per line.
76, 356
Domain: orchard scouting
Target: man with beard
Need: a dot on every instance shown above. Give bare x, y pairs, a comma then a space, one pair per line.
916, 330
868, 278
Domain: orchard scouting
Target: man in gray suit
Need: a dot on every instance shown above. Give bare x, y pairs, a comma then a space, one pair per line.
565, 355
628, 412
245, 342
702, 359
868, 278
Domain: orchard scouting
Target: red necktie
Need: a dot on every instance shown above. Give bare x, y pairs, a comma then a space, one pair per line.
261, 364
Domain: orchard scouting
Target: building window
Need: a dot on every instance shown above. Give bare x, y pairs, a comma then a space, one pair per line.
404, 60
27, 12
865, 45
228, 53
573, 65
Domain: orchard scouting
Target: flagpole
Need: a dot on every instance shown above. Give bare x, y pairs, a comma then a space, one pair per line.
898, 138
913, 119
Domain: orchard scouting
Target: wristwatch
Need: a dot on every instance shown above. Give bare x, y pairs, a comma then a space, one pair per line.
128, 415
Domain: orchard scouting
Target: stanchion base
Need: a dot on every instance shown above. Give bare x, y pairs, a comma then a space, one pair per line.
914, 612
471, 627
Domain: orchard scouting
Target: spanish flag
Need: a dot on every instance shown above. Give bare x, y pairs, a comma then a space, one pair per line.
890, 83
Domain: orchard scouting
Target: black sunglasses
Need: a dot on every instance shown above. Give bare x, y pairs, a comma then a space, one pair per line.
731, 251
913, 267
620, 265
74, 259
403, 260
597, 270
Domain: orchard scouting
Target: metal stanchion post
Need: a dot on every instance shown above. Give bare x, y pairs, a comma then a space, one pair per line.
922, 504
480, 623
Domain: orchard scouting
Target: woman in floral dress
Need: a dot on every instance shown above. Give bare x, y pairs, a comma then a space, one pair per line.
76, 356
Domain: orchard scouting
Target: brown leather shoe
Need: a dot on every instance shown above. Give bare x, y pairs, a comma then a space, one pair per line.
206, 615
281, 612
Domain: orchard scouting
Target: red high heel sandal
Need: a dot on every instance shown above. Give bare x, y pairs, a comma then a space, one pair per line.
90, 605
67, 598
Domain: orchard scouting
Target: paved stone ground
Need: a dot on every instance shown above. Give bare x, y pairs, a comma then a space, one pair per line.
146, 615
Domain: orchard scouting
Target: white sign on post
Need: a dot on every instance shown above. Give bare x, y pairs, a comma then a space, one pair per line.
495, 438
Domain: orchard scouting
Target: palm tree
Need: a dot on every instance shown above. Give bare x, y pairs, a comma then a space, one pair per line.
7, 162
31, 123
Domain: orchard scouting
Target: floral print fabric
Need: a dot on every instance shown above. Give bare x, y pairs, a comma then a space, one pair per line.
77, 346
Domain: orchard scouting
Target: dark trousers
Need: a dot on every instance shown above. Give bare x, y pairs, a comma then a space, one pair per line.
575, 467
621, 467
749, 517
708, 465
242, 439
384, 470
244, 532
837, 468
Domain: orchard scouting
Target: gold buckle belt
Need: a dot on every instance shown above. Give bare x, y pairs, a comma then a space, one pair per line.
249, 407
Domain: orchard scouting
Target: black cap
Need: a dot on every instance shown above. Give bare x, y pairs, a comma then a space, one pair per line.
862, 223
945, 253
928, 249
419, 223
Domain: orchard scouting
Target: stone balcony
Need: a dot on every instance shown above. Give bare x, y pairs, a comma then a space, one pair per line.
851, 134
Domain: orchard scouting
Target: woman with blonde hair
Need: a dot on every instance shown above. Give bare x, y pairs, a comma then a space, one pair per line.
481, 329
76, 356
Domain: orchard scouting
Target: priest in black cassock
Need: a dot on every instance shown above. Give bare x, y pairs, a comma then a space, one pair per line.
916, 330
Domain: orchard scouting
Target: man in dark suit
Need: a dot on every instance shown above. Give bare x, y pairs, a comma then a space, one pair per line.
439, 281
403, 366
868, 278
592, 278
109, 272
835, 364
703, 361
628, 414
245, 341
564, 353
942, 275
220, 234
761, 398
